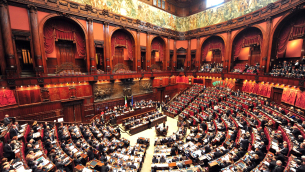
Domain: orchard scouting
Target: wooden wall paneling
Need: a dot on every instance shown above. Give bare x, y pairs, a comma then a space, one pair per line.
276, 95
24, 97
35, 96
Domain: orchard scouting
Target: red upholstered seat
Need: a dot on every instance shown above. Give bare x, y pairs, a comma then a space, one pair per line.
1, 150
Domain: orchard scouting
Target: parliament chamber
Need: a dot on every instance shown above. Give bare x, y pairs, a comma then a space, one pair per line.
152, 85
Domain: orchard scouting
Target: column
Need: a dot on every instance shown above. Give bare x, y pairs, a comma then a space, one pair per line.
148, 52
2, 59
198, 54
91, 46
7, 39
106, 48
265, 46
36, 41
175, 55
228, 53
138, 52
167, 55
188, 55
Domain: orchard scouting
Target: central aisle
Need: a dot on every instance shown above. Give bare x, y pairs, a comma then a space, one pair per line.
151, 133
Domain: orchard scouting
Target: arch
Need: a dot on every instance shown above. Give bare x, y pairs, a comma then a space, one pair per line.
41, 27
256, 29
205, 41
162, 65
133, 49
284, 21
217, 35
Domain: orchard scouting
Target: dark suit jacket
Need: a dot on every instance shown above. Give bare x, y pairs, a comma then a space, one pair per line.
7, 150
278, 169
6, 121
90, 155
13, 133
284, 151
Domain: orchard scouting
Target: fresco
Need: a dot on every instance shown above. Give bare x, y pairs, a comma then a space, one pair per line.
147, 13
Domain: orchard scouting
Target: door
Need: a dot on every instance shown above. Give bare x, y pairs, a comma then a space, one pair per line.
118, 55
255, 55
216, 56
73, 111
65, 52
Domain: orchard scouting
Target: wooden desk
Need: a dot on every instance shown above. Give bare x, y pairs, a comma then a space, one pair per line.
120, 118
78, 168
139, 128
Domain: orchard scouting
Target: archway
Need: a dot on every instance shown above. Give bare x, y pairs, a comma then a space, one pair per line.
212, 53
64, 46
157, 54
122, 51
288, 41
246, 50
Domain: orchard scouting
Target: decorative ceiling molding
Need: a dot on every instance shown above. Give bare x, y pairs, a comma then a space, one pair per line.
104, 16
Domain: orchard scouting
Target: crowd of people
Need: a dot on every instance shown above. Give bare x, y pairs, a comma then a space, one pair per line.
237, 131
211, 68
289, 69
246, 69
228, 131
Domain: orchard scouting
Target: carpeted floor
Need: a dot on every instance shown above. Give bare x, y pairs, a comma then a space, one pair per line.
151, 133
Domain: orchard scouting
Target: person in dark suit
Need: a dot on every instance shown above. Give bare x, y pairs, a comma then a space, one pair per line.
103, 157
162, 159
262, 147
90, 154
278, 167
59, 164
132, 166
301, 168
8, 150
173, 150
155, 160
244, 143
6, 120
282, 153
105, 168
13, 131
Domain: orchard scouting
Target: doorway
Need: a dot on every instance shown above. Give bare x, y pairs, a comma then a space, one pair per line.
180, 61
73, 111
23, 49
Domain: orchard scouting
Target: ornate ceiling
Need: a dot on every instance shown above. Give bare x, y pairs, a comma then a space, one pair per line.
147, 13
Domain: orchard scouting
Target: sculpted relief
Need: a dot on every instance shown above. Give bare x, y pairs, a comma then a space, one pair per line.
147, 13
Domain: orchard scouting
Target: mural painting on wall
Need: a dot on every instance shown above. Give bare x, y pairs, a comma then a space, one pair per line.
147, 13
